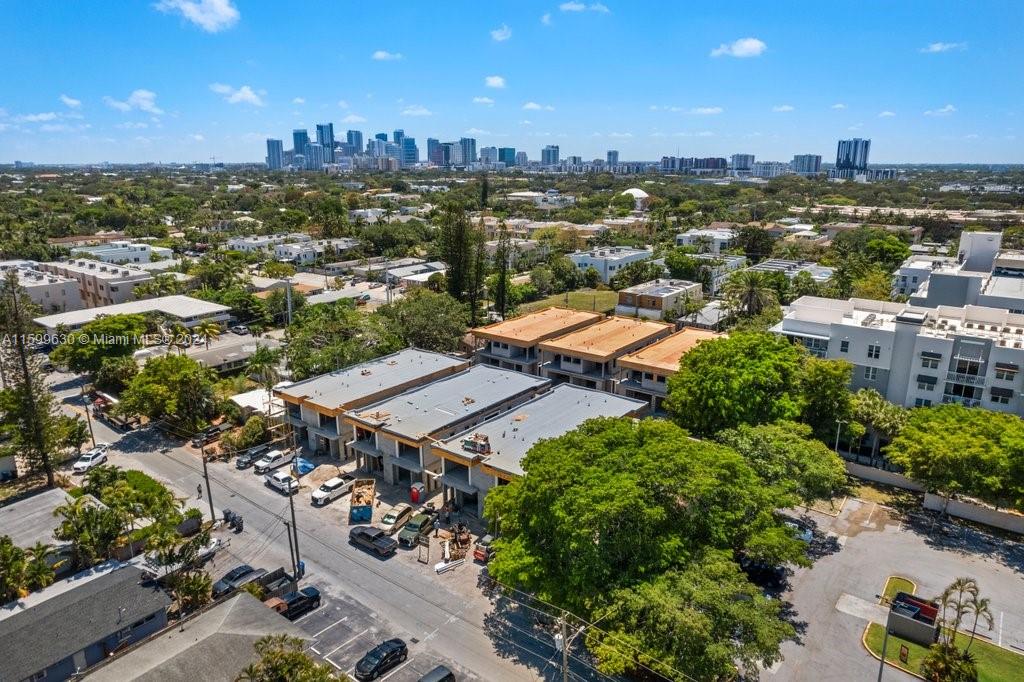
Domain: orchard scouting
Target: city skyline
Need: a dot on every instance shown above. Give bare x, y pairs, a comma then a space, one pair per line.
191, 80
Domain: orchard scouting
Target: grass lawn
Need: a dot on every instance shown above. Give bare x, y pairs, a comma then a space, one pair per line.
897, 584
995, 664
583, 299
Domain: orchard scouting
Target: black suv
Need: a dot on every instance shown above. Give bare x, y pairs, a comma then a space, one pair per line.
373, 539
381, 658
299, 603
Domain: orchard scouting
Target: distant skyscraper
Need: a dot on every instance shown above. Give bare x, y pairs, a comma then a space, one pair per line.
315, 156
393, 150
741, 164
432, 150
807, 164
376, 147
382, 136
549, 155
613, 158
397, 136
410, 152
853, 154
488, 155
355, 138
325, 137
507, 155
468, 147
300, 138
522, 159
275, 154
449, 153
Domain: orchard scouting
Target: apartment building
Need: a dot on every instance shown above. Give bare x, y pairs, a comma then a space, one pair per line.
513, 344
656, 298
491, 453
720, 267
123, 251
396, 435
52, 293
315, 407
99, 283
587, 357
707, 240
911, 232
265, 243
917, 356
306, 252
792, 268
608, 260
185, 310
644, 373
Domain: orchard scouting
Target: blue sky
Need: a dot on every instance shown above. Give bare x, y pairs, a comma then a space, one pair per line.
187, 80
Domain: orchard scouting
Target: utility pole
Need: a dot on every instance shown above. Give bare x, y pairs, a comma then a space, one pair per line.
209, 491
295, 529
291, 549
565, 649
881, 663
288, 297
88, 417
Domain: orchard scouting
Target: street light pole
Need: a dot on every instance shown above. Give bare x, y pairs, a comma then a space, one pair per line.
839, 428
881, 663
209, 491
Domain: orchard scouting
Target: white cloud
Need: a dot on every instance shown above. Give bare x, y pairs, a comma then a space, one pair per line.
886, 114
744, 47
132, 125
494, 81
533, 106
143, 100
342, 104
621, 135
855, 127
477, 131
198, 137
598, 7
972, 136
944, 111
210, 15
934, 48
501, 34
36, 118
385, 56
70, 102
705, 111
705, 133
416, 110
526, 122
838, 105
299, 100
546, 18
242, 95
580, 7
353, 118
783, 108
486, 101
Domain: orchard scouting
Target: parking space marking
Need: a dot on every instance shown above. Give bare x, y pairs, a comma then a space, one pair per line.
347, 642
299, 620
330, 626
313, 649
395, 670
1000, 628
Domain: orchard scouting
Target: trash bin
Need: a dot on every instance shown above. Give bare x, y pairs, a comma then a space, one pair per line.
417, 492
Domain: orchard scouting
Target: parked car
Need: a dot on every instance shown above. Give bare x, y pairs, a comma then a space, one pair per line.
439, 674
90, 459
209, 434
207, 551
417, 526
272, 460
240, 329
283, 482
801, 530
235, 578
395, 518
381, 658
247, 459
332, 489
296, 604
372, 539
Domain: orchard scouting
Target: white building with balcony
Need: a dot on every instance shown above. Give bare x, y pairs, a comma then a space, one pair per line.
306, 252
52, 293
707, 240
123, 252
99, 283
608, 260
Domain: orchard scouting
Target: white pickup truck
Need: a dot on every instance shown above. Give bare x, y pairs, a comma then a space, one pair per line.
283, 482
332, 489
273, 460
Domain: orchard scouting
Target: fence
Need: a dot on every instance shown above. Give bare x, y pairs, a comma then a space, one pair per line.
882, 476
1007, 520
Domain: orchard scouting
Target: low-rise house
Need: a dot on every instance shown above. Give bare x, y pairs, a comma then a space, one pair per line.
513, 343
608, 260
123, 251
31, 520
177, 308
587, 357
316, 406
225, 358
415, 274
719, 267
74, 624
491, 453
396, 435
656, 298
645, 372
265, 243
304, 253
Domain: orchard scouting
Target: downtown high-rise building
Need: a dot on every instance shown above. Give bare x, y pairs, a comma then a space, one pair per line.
612, 158
741, 164
325, 138
410, 152
315, 156
468, 148
355, 138
381, 136
549, 155
275, 154
522, 159
376, 147
507, 156
394, 151
852, 155
300, 138
397, 135
488, 154
449, 153
433, 144
806, 164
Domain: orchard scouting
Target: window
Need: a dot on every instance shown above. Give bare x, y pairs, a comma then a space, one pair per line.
844, 346
922, 402
871, 373
874, 351
1001, 399
1005, 374
924, 386
930, 363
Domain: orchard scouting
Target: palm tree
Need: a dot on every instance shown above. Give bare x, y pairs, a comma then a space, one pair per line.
956, 597
944, 663
178, 333
209, 330
262, 366
980, 607
39, 570
748, 291
12, 570
883, 418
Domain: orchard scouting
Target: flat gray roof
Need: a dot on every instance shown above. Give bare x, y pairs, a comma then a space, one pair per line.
176, 306
336, 390
31, 520
447, 402
226, 353
1007, 287
560, 410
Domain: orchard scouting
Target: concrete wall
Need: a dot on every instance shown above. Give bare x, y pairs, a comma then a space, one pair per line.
976, 512
882, 476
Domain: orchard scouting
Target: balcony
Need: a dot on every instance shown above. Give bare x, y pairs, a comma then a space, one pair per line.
968, 379
960, 400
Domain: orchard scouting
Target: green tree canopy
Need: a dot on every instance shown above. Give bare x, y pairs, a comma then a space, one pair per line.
104, 338
171, 386
428, 320
329, 336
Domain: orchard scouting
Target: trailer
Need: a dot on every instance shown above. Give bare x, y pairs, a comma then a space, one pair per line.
364, 491
277, 583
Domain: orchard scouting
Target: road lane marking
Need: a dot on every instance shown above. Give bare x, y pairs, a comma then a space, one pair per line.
330, 626
347, 643
396, 670
1000, 628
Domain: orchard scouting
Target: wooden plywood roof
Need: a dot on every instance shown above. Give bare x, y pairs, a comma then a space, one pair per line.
539, 326
606, 339
663, 356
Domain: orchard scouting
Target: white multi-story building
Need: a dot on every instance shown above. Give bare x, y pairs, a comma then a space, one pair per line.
792, 268
770, 169
609, 260
52, 293
267, 242
123, 251
99, 283
707, 240
656, 298
306, 252
917, 356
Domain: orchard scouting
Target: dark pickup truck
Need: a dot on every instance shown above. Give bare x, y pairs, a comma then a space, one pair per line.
295, 604
418, 525
209, 434
373, 539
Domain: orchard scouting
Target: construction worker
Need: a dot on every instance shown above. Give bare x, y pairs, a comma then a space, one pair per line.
199, 491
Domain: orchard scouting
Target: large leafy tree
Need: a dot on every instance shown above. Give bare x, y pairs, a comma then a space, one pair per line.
638, 525
749, 292
102, 339
428, 320
748, 378
171, 386
881, 419
92, 531
827, 401
330, 336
